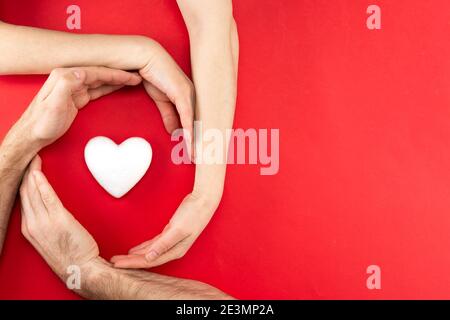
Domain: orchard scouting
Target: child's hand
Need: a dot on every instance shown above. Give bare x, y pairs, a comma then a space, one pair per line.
187, 223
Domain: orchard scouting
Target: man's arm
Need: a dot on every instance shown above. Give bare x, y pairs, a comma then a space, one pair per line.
16, 152
105, 282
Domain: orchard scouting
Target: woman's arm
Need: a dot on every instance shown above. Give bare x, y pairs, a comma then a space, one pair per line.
27, 50
214, 53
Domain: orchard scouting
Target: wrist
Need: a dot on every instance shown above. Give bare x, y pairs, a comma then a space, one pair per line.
93, 274
18, 147
126, 52
207, 199
142, 48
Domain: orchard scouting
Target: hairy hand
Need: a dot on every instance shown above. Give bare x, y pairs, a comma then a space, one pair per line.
65, 92
58, 237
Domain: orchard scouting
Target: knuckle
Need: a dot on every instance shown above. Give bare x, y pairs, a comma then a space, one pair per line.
48, 200
163, 247
65, 79
31, 229
57, 73
180, 255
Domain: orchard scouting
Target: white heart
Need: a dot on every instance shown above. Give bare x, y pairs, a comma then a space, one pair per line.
118, 168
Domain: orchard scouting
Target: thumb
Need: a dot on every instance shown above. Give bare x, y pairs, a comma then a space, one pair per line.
66, 83
48, 195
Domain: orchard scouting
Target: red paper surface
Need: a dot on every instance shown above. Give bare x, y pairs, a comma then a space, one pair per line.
364, 152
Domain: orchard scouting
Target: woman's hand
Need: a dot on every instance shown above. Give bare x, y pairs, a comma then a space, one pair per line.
168, 86
191, 217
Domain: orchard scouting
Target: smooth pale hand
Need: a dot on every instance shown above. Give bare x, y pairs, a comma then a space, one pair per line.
118, 168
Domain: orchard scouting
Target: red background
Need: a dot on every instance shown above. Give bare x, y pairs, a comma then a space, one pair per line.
364, 158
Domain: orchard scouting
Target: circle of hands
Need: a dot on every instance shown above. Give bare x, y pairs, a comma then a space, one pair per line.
45, 221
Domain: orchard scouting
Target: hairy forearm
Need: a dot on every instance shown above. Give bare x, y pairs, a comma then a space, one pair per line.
214, 54
15, 154
101, 281
27, 50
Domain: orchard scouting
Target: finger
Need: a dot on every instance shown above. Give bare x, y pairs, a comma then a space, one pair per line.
96, 76
48, 196
143, 246
66, 84
118, 257
166, 108
34, 196
143, 249
140, 246
130, 261
26, 211
52, 79
173, 254
36, 163
132, 79
169, 238
82, 98
23, 190
24, 198
185, 107
26, 232
164, 73
24, 224
187, 122
102, 91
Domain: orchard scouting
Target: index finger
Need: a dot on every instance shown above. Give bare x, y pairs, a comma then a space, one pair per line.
97, 76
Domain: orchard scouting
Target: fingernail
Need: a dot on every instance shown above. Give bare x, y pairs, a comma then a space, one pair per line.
76, 74
152, 255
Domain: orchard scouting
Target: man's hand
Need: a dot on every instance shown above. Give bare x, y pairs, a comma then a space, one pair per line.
191, 217
62, 242
64, 93
50, 228
47, 118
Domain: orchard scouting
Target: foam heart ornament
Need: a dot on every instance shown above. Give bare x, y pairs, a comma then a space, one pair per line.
118, 168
